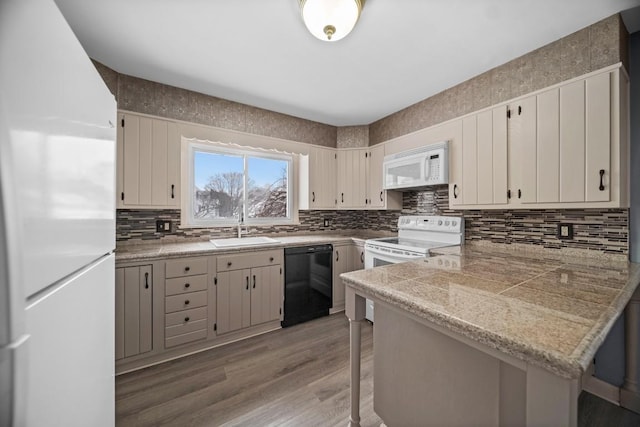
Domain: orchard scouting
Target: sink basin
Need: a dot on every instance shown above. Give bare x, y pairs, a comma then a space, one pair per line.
243, 241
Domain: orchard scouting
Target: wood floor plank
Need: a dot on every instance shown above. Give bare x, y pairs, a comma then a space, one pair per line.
297, 376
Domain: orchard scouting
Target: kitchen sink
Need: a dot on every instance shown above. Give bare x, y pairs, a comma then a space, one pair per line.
242, 241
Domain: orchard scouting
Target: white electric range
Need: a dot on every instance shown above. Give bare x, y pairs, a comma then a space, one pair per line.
417, 235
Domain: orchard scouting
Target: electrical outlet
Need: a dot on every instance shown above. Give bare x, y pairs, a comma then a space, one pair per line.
163, 226
565, 231
326, 222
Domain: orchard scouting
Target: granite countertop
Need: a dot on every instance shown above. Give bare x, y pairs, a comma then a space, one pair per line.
164, 250
553, 311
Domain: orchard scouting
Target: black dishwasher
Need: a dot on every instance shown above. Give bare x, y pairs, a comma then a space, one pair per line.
307, 283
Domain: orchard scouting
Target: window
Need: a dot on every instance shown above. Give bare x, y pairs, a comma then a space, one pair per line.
230, 184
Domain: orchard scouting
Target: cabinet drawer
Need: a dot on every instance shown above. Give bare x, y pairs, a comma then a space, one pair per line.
185, 267
185, 316
175, 330
185, 301
250, 260
185, 338
180, 285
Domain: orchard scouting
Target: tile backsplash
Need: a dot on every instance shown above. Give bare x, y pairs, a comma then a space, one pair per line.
603, 230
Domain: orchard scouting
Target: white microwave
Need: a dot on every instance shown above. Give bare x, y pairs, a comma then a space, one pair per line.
417, 168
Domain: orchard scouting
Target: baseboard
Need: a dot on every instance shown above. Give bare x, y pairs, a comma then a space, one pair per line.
602, 389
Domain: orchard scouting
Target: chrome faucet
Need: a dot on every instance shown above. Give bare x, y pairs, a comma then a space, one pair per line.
240, 224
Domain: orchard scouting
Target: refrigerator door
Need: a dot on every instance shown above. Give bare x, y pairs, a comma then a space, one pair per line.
70, 381
60, 120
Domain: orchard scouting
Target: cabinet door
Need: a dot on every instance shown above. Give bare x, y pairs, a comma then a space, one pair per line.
134, 331
522, 151
572, 149
548, 146
149, 162
325, 175
598, 138
315, 177
266, 294
455, 165
343, 174
469, 161
357, 257
233, 302
341, 264
377, 195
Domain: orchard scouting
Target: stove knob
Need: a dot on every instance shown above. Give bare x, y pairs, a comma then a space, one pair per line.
446, 223
440, 222
454, 223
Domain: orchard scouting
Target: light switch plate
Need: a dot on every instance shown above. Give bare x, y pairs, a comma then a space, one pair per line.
163, 226
326, 222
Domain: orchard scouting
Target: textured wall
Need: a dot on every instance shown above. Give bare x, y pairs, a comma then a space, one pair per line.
353, 137
597, 46
145, 96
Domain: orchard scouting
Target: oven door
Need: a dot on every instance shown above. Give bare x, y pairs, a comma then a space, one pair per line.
376, 255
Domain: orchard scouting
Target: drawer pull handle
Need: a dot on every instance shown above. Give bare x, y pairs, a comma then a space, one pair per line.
254, 281
337, 255
519, 193
455, 191
229, 264
361, 256
342, 194
247, 282
186, 302
271, 259
173, 196
601, 188
186, 285
186, 319
381, 199
187, 268
313, 195
146, 280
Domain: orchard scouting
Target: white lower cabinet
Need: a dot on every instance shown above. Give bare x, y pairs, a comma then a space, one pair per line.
346, 257
134, 315
249, 290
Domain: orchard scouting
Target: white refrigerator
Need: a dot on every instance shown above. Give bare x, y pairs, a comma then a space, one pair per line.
57, 224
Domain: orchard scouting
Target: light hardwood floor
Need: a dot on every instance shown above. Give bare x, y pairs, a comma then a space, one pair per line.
298, 376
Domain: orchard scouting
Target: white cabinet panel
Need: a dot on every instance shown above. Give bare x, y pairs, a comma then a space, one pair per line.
572, 148
500, 169
598, 138
469, 161
548, 145
485, 157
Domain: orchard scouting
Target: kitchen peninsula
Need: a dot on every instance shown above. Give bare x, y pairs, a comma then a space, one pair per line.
484, 335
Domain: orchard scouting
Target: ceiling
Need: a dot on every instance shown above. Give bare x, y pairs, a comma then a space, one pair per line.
259, 52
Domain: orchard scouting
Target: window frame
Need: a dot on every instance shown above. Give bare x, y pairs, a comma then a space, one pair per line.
197, 146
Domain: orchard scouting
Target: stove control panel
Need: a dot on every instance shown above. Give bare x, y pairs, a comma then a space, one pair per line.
444, 224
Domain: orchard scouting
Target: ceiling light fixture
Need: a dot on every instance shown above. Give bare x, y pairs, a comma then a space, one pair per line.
330, 20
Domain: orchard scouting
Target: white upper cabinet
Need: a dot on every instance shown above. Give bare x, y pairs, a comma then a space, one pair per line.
148, 163
321, 173
562, 147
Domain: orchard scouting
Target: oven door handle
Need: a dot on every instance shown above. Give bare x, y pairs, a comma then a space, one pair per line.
375, 252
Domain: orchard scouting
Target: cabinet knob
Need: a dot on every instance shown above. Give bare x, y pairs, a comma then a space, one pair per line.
229, 264
187, 268
271, 259
186, 319
186, 302
186, 285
